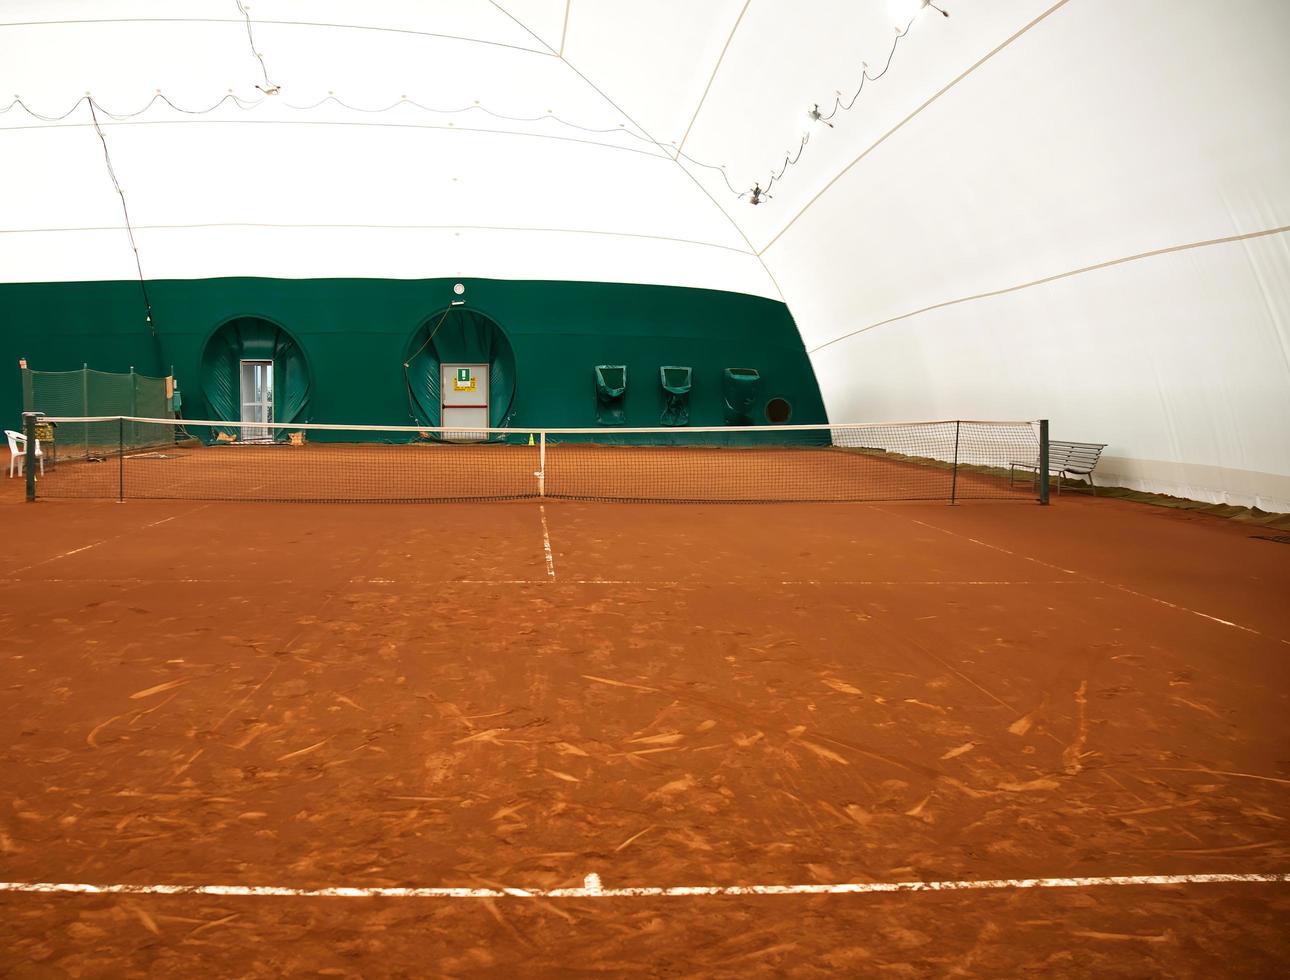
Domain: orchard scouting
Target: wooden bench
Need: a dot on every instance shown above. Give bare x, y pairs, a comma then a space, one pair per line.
1066, 459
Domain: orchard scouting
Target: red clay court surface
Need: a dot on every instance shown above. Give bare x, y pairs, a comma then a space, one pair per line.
365, 696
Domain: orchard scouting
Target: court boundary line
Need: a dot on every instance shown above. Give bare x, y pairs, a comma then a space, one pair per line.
645, 583
546, 543
1096, 581
94, 544
592, 887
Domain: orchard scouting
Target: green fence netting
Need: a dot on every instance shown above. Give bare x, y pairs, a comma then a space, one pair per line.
739, 389
676, 394
90, 393
611, 385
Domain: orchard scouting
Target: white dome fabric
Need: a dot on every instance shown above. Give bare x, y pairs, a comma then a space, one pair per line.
1074, 209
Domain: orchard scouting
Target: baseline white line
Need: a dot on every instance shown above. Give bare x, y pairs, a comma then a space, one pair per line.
592, 888
698, 583
1097, 581
546, 543
649, 583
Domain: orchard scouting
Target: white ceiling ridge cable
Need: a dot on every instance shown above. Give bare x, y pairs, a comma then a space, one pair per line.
713, 77
375, 226
1057, 277
72, 22
449, 128
697, 183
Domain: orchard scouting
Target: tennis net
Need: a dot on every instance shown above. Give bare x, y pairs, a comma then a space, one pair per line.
211, 460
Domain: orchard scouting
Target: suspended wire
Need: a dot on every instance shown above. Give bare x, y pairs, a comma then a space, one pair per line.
268, 88
791, 157
838, 105
125, 211
413, 403
251, 104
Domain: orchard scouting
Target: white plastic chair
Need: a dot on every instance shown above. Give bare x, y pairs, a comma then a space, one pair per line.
18, 453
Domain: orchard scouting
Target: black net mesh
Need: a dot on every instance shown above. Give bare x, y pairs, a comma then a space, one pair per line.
212, 461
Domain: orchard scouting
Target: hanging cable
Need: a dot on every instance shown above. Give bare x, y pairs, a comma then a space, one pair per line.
125, 211
791, 157
268, 88
760, 193
413, 405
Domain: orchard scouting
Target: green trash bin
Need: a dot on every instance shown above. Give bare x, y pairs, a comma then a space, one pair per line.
676, 395
739, 388
611, 385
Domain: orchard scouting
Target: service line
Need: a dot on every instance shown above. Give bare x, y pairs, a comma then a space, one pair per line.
1096, 581
592, 888
546, 543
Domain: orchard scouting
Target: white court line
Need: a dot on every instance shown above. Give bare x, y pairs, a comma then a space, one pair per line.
77, 551
592, 888
1110, 585
546, 543
672, 583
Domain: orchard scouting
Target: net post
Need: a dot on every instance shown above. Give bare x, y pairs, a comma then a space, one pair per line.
134, 404
541, 474
29, 453
1043, 462
120, 457
85, 404
954, 476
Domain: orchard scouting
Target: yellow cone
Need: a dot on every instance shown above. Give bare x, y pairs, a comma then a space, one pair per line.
531, 439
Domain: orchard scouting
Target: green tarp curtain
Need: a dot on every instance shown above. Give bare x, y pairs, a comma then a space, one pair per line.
739, 388
676, 394
460, 336
253, 339
611, 384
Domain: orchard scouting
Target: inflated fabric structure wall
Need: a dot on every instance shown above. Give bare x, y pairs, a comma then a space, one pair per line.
339, 346
1073, 209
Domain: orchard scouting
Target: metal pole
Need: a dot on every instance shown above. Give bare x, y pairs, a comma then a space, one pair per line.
134, 404
120, 437
29, 452
541, 473
85, 405
1043, 462
954, 478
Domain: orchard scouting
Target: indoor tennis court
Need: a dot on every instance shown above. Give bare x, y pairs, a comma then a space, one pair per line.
644, 488
489, 701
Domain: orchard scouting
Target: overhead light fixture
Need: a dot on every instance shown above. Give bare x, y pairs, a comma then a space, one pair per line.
814, 113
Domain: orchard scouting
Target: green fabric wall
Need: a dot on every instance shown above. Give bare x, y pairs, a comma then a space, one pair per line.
356, 333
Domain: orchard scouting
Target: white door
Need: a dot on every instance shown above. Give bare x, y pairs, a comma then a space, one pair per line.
257, 401
464, 401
